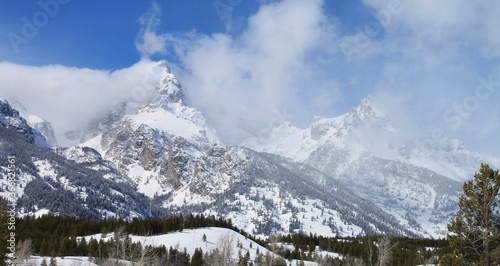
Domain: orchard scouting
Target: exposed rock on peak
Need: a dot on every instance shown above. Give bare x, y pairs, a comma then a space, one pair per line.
365, 114
168, 88
11, 119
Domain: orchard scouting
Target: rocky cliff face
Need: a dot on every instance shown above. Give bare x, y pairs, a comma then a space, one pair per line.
10, 119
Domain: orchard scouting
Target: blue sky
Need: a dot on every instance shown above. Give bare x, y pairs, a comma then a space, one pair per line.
94, 34
101, 34
421, 61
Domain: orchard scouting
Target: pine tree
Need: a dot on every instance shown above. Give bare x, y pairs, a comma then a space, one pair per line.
475, 231
197, 259
53, 262
82, 249
4, 233
93, 248
44, 247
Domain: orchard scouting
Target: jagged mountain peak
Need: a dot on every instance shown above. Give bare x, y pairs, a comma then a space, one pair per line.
366, 112
11, 119
159, 88
41, 125
364, 116
6, 109
458, 145
164, 109
168, 88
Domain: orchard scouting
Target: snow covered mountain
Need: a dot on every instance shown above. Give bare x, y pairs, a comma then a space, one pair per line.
46, 181
417, 180
168, 152
11, 119
160, 157
41, 125
344, 176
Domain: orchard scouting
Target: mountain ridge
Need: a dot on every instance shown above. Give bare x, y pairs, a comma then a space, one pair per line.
314, 180
361, 149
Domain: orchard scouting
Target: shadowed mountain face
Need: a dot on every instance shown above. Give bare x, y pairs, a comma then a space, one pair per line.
10, 118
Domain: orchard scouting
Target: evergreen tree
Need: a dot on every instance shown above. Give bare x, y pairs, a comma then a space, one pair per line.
44, 247
197, 259
93, 248
82, 249
475, 231
4, 233
53, 262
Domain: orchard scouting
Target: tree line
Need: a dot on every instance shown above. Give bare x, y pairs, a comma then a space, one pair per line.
473, 239
51, 235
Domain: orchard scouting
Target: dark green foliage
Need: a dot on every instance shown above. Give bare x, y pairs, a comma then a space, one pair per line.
53, 262
475, 231
409, 251
57, 235
197, 259
4, 233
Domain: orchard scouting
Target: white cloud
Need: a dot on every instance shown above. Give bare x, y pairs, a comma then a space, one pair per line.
434, 52
149, 42
472, 23
240, 81
70, 97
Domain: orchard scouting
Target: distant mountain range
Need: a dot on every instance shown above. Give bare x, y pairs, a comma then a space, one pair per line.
344, 176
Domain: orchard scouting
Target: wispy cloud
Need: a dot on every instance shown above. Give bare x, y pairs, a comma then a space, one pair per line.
148, 42
240, 81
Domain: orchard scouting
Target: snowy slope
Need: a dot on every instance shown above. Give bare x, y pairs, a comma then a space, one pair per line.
189, 240
192, 239
47, 182
416, 180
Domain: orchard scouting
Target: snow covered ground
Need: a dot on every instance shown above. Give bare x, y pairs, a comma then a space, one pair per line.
63, 261
193, 238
